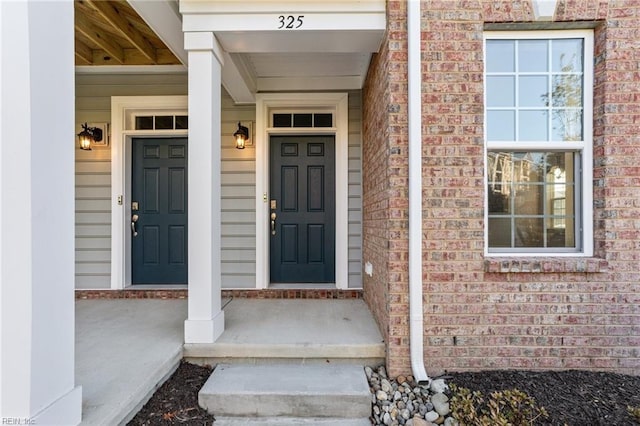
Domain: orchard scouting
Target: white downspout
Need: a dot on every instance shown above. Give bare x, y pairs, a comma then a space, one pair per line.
414, 77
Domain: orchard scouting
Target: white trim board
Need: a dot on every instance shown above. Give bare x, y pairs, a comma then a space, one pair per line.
336, 102
122, 108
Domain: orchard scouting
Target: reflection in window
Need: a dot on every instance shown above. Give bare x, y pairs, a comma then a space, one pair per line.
531, 199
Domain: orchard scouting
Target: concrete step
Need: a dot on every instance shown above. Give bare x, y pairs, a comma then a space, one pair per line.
293, 331
287, 391
291, 353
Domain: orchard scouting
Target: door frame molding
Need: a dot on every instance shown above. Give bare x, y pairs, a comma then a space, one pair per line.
338, 103
123, 108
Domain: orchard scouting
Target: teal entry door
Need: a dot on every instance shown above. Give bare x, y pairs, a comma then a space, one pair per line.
302, 209
159, 211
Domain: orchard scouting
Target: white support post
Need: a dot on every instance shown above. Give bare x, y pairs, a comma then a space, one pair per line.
205, 320
37, 140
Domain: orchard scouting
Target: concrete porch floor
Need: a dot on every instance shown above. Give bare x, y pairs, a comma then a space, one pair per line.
126, 347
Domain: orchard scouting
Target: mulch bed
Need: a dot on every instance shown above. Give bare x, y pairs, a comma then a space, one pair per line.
574, 398
176, 401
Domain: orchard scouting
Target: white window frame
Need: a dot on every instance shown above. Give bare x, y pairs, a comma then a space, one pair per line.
584, 198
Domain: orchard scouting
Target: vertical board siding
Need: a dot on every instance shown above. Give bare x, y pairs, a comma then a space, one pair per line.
238, 192
93, 168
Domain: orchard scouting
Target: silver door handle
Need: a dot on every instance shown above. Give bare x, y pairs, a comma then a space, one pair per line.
134, 219
273, 223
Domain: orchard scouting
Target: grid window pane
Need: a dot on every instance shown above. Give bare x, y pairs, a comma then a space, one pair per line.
533, 125
533, 91
528, 232
281, 120
567, 125
182, 122
567, 91
144, 122
528, 200
560, 236
501, 125
501, 91
499, 167
566, 55
528, 166
164, 122
501, 55
533, 55
500, 236
302, 120
322, 120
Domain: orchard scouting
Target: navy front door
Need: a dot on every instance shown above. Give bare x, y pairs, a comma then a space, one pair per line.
159, 211
302, 209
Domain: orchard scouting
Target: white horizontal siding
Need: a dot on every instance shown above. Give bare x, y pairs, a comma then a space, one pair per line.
93, 256
238, 195
93, 281
93, 182
355, 189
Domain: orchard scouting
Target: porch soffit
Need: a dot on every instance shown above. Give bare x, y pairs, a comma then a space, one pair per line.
328, 46
111, 33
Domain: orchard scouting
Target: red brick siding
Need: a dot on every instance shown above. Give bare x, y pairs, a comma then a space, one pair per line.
487, 314
376, 187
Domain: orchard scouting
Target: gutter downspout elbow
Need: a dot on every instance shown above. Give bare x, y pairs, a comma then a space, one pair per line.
414, 78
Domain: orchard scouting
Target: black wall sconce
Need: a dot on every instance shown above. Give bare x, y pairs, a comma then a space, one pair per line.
89, 135
241, 135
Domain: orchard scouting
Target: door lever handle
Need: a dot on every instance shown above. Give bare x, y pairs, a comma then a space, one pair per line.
273, 223
134, 219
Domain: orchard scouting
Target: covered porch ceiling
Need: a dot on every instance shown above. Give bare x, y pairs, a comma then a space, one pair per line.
331, 51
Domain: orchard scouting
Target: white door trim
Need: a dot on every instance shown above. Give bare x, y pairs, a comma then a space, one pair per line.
338, 103
123, 108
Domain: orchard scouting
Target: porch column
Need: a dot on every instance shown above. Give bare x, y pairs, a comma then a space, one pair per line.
37, 140
205, 322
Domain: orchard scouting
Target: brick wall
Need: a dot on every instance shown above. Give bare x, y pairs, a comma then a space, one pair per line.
500, 313
385, 177
375, 204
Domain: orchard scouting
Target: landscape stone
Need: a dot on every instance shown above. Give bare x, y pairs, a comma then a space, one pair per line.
440, 403
402, 402
438, 386
417, 421
431, 416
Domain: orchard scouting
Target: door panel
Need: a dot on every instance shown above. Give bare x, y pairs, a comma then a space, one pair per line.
302, 184
159, 186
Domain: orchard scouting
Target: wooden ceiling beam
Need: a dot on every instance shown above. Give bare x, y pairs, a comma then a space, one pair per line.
111, 14
135, 57
83, 53
100, 38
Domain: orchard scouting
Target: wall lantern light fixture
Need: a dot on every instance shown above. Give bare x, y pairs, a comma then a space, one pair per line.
241, 135
89, 135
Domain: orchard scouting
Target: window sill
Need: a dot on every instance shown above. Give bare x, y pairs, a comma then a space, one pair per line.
504, 265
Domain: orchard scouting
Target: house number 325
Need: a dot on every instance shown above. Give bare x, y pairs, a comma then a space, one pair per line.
290, 22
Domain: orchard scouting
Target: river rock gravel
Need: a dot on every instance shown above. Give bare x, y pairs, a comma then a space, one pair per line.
403, 402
